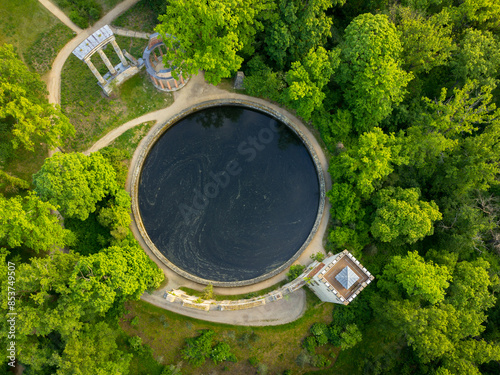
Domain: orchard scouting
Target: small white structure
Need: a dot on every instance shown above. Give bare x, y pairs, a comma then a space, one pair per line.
116, 74
338, 279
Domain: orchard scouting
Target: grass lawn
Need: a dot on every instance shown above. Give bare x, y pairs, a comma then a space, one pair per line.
138, 18
129, 140
34, 32
274, 346
91, 112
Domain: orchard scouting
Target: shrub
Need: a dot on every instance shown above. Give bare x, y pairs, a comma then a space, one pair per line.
303, 359
171, 370
134, 321
295, 271
320, 361
319, 256
310, 344
222, 352
135, 343
318, 329
253, 361
262, 369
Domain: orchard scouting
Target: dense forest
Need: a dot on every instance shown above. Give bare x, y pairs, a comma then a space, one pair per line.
403, 95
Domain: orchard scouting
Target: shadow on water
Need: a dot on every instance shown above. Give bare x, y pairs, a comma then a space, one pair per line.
215, 117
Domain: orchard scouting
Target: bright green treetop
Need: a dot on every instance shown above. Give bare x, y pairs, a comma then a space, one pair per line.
306, 80
24, 107
28, 221
416, 277
208, 35
426, 42
75, 182
401, 216
296, 28
478, 58
366, 164
370, 70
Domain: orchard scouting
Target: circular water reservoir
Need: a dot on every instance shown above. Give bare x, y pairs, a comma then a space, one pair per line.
228, 195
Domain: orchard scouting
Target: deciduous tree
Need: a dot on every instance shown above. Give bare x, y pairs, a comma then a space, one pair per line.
401, 217
209, 35
75, 182
370, 69
24, 108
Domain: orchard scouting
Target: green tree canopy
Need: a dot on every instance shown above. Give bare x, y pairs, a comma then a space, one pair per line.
93, 350
370, 70
367, 163
441, 333
208, 35
28, 221
24, 109
412, 276
296, 28
401, 216
75, 182
478, 58
426, 42
307, 79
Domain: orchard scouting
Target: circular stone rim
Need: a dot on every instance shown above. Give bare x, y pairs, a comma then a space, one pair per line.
158, 131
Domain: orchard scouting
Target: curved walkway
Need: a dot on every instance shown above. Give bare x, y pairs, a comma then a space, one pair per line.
196, 91
54, 76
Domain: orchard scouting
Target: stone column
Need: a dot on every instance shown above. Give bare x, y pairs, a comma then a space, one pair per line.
119, 52
98, 75
104, 58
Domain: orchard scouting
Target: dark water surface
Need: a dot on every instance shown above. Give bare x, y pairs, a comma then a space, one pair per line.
228, 194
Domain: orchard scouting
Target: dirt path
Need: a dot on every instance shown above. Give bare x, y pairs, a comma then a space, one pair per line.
54, 76
60, 14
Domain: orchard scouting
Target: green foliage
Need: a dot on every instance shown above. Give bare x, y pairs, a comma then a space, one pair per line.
208, 292
28, 222
116, 158
198, 349
442, 332
222, 352
295, 28
365, 165
134, 321
310, 344
333, 127
92, 351
208, 36
401, 216
319, 256
350, 337
135, 343
24, 109
82, 12
12, 183
295, 271
75, 182
307, 78
478, 58
116, 215
426, 42
370, 70
254, 361
261, 81
417, 278
171, 370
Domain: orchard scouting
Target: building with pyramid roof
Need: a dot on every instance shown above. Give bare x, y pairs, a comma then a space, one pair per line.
338, 279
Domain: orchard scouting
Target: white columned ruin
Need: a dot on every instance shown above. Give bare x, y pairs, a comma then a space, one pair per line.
119, 52
116, 74
98, 75
108, 64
